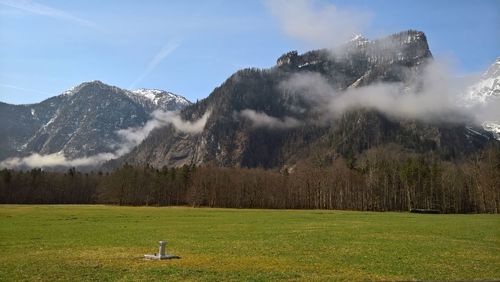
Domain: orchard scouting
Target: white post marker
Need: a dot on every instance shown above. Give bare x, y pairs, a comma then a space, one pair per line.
161, 254
162, 249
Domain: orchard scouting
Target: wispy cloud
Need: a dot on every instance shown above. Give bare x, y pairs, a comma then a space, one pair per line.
166, 50
44, 10
3, 85
135, 135
260, 119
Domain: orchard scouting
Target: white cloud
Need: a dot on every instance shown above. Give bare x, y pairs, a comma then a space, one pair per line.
260, 119
135, 135
44, 10
53, 160
433, 96
191, 127
487, 112
318, 23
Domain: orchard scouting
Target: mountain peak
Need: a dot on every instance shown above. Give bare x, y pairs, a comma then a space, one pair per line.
93, 83
149, 98
81, 122
406, 47
409, 39
287, 58
493, 71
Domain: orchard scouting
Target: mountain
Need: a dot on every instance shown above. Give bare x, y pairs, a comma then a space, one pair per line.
487, 90
81, 121
257, 122
488, 87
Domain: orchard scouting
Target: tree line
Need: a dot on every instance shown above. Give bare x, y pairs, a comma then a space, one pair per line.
380, 179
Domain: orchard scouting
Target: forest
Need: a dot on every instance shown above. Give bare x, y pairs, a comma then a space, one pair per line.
385, 178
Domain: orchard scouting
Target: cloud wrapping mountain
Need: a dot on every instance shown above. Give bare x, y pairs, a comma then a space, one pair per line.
87, 124
131, 137
433, 95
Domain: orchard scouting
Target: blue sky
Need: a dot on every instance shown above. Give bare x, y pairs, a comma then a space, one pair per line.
191, 47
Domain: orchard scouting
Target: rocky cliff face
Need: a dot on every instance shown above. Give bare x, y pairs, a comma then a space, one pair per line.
229, 139
80, 122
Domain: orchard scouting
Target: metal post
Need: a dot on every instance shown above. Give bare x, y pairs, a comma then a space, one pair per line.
162, 253
162, 249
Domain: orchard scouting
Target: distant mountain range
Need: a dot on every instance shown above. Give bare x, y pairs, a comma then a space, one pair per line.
80, 122
270, 118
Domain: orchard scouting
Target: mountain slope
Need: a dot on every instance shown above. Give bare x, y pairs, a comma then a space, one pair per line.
231, 139
19, 123
488, 87
487, 90
80, 122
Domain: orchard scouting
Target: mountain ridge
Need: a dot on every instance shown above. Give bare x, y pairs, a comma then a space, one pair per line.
79, 122
256, 118
229, 139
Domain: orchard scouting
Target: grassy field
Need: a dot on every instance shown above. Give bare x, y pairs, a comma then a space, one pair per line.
107, 243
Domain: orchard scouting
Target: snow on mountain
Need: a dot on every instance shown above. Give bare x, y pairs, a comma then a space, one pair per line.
151, 99
359, 40
228, 140
69, 92
489, 85
158, 99
81, 121
493, 127
151, 94
486, 90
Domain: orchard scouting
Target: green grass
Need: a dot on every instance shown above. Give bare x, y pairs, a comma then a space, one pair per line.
107, 243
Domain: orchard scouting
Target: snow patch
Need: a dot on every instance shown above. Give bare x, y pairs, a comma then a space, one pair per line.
69, 92
159, 97
150, 94
359, 40
493, 127
49, 122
